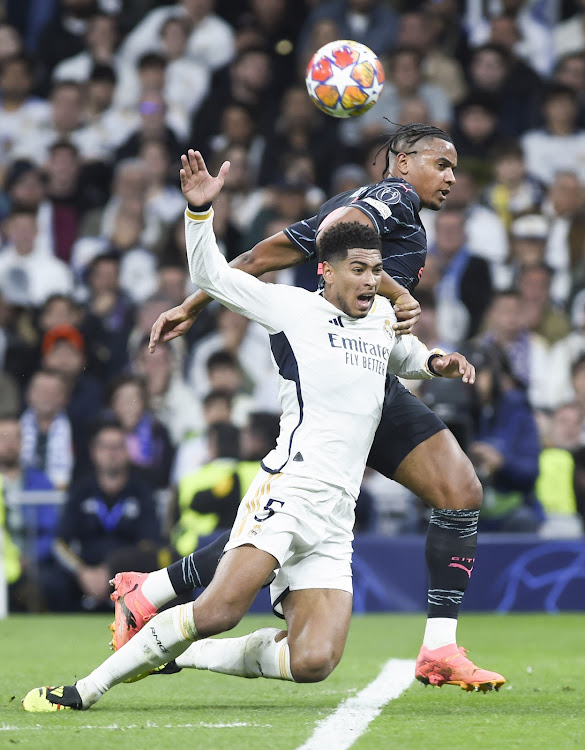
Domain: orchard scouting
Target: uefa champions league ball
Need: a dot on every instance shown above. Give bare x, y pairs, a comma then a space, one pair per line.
344, 78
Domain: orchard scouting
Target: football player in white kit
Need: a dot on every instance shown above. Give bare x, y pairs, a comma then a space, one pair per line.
331, 350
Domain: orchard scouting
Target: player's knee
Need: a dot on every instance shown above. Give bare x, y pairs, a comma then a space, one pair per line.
458, 488
313, 663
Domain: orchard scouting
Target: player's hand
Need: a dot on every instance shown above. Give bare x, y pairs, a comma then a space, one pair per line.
170, 325
198, 186
454, 365
407, 310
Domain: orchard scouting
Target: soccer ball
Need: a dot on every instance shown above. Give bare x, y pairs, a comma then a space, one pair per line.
344, 78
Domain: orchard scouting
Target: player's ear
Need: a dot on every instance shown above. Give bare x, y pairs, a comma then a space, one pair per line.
402, 163
327, 271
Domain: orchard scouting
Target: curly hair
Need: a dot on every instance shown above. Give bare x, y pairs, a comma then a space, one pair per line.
339, 238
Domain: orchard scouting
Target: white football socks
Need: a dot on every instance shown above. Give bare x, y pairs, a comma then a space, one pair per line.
161, 640
254, 655
158, 589
440, 631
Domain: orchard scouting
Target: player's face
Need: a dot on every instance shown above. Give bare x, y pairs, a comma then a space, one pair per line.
430, 170
351, 284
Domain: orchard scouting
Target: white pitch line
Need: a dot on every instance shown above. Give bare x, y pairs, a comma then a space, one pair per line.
352, 717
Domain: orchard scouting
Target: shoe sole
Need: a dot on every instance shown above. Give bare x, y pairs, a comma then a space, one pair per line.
470, 687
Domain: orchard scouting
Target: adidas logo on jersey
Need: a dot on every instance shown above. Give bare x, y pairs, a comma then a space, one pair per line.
298, 457
337, 321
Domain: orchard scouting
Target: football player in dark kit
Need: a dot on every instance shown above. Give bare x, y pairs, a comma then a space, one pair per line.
412, 445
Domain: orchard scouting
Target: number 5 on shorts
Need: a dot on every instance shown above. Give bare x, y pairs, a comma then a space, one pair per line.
267, 511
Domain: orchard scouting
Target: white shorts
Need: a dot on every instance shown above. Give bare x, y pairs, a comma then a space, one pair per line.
305, 524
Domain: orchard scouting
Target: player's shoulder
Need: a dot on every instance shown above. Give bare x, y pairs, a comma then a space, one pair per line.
393, 191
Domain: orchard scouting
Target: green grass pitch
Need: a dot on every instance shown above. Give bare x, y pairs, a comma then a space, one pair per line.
542, 705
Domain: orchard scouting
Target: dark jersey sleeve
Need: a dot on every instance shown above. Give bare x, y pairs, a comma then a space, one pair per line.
303, 234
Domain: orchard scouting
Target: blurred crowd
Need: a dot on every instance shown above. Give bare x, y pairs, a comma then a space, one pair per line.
98, 99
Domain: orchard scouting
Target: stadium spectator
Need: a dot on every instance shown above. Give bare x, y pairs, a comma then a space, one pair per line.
493, 70
208, 497
109, 512
153, 123
28, 274
170, 398
540, 314
211, 41
11, 43
64, 34
570, 71
148, 443
100, 42
47, 441
247, 81
299, 130
485, 231
25, 187
109, 317
559, 141
511, 191
70, 195
464, 286
18, 357
192, 451
370, 22
475, 129
286, 202
528, 235
557, 477
20, 111
63, 351
129, 186
65, 123
164, 201
565, 208
274, 25
417, 31
105, 123
246, 343
517, 28
505, 447
527, 352
27, 530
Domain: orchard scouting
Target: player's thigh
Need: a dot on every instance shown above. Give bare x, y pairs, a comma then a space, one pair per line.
317, 622
240, 575
405, 423
438, 471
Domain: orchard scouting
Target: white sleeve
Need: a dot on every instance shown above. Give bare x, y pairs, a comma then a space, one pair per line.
239, 291
409, 359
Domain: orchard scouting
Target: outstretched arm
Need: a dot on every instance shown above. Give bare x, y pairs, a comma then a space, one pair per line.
271, 254
239, 291
200, 189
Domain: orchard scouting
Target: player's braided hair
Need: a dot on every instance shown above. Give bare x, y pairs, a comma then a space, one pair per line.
347, 235
405, 137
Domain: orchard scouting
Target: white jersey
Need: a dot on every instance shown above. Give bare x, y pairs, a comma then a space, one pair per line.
331, 367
